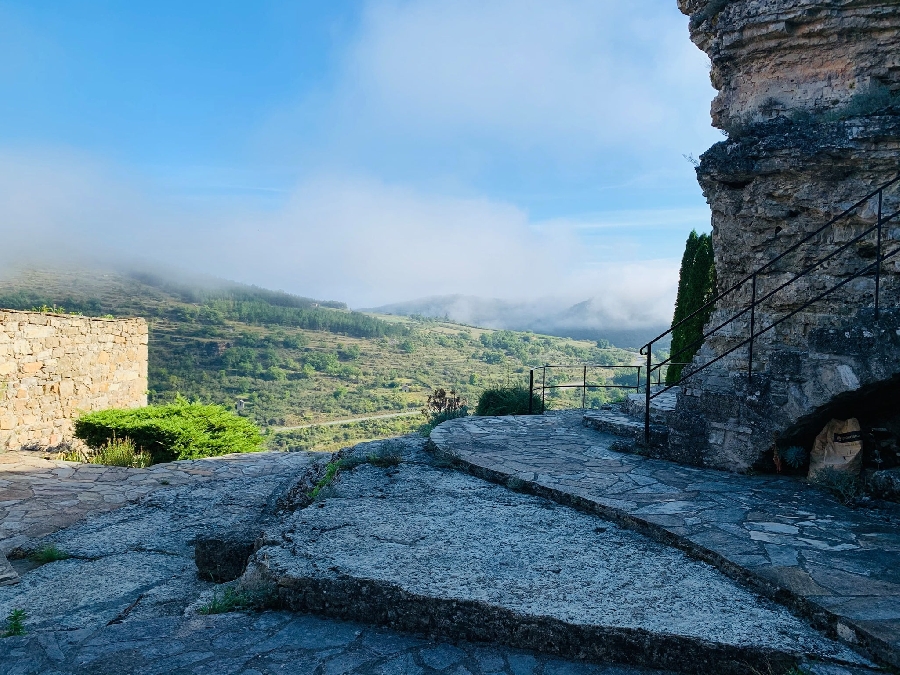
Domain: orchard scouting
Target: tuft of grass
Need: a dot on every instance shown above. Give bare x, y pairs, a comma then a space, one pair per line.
15, 623
121, 452
246, 595
47, 554
389, 454
507, 401
115, 452
230, 600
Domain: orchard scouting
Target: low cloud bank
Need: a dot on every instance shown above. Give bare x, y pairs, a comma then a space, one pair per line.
590, 319
360, 241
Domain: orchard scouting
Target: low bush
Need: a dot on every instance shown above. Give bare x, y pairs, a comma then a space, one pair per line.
507, 401
180, 430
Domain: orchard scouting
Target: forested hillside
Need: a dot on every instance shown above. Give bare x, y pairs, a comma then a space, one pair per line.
288, 361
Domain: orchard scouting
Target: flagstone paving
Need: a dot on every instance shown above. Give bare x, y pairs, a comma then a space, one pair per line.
269, 642
39, 496
837, 566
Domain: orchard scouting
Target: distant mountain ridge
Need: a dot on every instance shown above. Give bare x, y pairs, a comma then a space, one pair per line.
585, 320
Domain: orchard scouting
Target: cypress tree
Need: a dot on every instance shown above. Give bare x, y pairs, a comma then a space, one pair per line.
696, 287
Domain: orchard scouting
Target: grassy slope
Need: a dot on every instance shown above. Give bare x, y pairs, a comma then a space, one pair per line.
290, 376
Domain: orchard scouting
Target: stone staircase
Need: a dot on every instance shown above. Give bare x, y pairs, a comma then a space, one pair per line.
627, 418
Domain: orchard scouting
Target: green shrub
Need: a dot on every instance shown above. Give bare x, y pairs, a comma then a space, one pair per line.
507, 401
180, 430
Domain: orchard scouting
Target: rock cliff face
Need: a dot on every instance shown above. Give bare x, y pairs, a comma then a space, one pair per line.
808, 94
774, 56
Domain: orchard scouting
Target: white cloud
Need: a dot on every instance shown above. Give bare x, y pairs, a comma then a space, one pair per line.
603, 72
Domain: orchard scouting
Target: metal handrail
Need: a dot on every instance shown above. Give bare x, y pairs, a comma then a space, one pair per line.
755, 301
583, 385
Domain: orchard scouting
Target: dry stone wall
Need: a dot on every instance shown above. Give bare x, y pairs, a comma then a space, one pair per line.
808, 94
54, 367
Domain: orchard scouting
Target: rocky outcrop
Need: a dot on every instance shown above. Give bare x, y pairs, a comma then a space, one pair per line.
808, 94
771, 57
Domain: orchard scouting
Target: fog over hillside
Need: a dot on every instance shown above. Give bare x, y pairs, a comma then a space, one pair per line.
588, 319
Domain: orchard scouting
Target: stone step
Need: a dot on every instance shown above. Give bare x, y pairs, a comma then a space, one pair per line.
424, 548
625, 426
660, 406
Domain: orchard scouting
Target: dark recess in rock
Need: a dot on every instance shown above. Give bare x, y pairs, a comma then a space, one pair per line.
223, 557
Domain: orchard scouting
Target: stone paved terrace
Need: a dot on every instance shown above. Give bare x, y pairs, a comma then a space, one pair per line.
838, 567
39, 496
126, 599
269, 642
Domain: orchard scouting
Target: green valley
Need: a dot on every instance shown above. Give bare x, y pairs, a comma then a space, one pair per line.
286, 361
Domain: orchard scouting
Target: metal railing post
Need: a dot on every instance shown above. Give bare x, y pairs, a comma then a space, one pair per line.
647, 399
878, 256
752, 330
531, 392
543, 391
584, 389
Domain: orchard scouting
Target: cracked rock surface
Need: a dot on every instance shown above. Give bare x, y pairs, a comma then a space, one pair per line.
426, 548
124, 601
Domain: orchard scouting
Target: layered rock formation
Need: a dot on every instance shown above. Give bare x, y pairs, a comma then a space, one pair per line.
808, 94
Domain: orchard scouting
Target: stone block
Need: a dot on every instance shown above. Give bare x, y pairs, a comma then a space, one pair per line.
32, 367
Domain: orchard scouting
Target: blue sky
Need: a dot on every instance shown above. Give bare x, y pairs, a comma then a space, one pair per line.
370, 151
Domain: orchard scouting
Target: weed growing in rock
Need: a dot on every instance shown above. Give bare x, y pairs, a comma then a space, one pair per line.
441, 407
389, 454
842, 485
794, 456
331, 471
442, 459
248, 594
793, 670
15, 623
47, 554
514, 483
